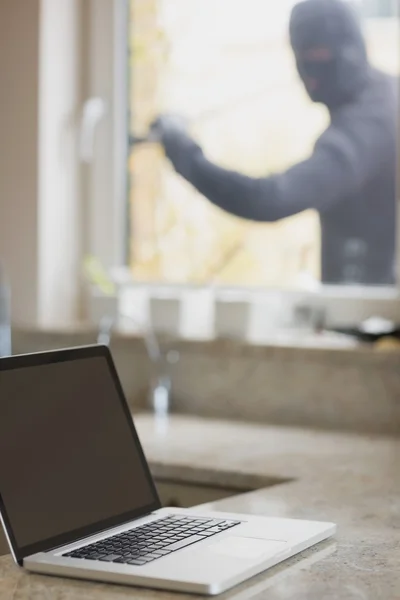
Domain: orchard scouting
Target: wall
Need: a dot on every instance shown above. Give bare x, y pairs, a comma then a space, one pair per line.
40, 100
19, 106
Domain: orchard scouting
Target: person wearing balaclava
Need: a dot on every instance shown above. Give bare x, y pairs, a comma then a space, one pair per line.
350, 178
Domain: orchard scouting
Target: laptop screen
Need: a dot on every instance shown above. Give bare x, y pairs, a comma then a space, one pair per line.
70, 460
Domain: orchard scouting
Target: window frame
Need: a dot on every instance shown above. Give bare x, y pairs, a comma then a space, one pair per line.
105, 171
341, 304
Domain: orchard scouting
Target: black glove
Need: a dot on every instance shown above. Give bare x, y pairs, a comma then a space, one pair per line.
180, 149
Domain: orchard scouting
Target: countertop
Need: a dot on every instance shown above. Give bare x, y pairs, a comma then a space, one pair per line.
350, 479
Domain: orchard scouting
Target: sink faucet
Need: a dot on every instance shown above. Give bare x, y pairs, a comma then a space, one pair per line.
309, 315
161, 384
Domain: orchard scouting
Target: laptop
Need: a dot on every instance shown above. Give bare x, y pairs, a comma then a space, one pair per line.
78, 499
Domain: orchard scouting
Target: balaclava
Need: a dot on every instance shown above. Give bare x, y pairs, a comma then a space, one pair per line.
330, 25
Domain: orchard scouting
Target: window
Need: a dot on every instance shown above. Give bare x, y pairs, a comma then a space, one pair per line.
237, 82
379, 8
235, 78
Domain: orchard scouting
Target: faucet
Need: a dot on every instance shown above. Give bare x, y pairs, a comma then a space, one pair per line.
159, 397
309, 315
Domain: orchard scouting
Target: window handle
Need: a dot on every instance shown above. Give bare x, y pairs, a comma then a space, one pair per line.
93, 111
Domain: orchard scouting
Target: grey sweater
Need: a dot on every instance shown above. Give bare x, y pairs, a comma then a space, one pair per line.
350, 179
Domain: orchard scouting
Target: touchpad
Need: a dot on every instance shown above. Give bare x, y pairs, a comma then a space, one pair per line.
247, 547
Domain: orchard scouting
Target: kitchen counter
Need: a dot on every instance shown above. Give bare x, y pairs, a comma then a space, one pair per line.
352, 480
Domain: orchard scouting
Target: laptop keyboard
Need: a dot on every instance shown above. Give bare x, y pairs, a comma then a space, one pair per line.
152, 541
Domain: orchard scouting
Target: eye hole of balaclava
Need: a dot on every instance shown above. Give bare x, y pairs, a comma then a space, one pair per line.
330, 50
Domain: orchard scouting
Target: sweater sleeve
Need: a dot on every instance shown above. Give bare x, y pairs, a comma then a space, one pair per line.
343, 160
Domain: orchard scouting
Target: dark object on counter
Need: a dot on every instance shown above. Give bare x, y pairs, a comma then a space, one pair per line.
372, 330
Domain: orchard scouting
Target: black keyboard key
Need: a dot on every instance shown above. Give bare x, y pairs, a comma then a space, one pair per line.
179, 532
187, 542
150, 557
110, 557
150, 547
132, 556
121, 560
95, 556
137, 562
162, 544
198, 530
214, 530
162, 552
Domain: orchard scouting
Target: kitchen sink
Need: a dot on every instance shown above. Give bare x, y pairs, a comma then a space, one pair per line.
184, 488
184, 495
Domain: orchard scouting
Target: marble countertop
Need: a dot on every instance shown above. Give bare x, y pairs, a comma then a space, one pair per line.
352, 480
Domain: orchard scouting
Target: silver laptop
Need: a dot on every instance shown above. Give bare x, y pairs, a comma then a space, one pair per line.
78, 500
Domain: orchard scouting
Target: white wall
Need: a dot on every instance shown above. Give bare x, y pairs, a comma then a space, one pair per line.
40, 99
19, 105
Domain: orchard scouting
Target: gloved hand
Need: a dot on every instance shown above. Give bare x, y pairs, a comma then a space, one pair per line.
171, 132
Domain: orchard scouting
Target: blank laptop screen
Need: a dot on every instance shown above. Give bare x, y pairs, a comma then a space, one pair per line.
69, 456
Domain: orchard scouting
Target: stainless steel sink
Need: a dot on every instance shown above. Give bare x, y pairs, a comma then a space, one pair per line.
184, 488
184, 495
